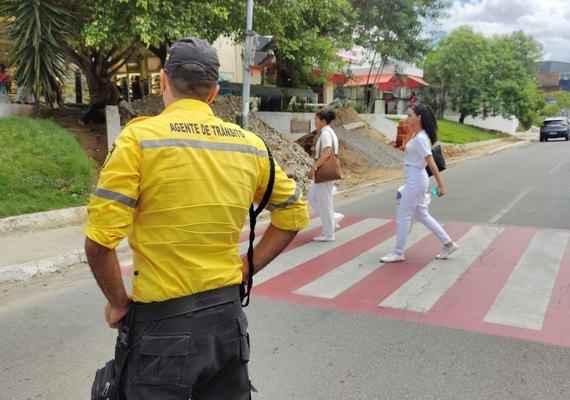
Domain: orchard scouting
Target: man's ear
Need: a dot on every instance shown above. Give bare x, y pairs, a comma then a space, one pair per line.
163, 80
213, 94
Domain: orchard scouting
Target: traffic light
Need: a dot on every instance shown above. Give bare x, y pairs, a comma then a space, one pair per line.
263, 50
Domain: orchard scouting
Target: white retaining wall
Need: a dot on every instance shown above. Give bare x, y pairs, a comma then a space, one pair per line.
8, 109
495, 123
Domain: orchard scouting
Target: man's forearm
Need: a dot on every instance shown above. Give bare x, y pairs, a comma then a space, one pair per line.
273, 242
107, 272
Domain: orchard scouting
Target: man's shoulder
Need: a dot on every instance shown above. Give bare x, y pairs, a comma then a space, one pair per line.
137, 119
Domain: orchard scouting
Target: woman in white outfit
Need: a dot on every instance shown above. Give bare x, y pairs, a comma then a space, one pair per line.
320, 195
422, 121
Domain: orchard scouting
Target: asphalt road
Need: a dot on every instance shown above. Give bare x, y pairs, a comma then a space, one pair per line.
53, 337
525, 186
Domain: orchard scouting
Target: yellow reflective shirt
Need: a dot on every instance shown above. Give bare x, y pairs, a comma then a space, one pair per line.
180, 186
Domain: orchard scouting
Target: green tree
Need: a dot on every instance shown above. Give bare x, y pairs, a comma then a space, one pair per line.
456, 73
561, 97
495, 77
510, 79
105, 34
309, 34
38, 30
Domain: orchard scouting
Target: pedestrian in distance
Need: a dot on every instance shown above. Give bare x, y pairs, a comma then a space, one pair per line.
414, 202
180, 185
107, 95
413, 100
5, 84
137, 88
320, 195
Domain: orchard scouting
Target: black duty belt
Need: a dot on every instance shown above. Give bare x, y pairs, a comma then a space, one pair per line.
183, 305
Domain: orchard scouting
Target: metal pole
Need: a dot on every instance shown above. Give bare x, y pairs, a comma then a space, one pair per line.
249, 38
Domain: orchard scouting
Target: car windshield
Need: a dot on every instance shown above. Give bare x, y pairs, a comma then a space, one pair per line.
555, 122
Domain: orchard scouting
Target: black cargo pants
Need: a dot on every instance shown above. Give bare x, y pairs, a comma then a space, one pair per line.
200, 355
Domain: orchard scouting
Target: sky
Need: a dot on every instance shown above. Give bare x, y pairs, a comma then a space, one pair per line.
548, 21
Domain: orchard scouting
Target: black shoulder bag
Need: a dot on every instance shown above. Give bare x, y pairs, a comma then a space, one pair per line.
438, 158
245, 290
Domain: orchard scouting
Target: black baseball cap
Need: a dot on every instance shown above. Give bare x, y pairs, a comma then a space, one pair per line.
193, 58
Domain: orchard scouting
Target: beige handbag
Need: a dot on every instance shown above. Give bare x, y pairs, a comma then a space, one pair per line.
330, 170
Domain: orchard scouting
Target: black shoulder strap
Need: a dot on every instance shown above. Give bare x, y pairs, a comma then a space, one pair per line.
253, 213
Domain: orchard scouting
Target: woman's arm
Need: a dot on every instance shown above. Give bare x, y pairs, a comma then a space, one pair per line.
433, 166
325, 155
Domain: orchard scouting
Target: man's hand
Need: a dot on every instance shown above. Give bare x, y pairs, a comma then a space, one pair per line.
114, 314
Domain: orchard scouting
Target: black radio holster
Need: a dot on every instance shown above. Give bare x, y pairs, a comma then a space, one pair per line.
107, 383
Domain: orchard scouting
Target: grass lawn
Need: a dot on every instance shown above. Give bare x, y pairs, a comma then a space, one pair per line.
454, 132
42, 167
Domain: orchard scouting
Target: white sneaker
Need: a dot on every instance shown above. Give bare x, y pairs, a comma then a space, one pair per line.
392, 257
337, 218
323, 238
446, 251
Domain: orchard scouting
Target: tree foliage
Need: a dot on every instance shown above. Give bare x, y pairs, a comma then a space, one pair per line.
496, 76
562, 99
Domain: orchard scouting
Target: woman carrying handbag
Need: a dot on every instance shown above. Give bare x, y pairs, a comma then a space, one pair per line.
320, 194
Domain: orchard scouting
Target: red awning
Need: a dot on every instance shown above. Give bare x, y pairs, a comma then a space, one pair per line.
418, 80
361, 80
387, 82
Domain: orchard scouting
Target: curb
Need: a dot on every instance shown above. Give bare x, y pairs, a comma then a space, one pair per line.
44, 220
26, 271
29, 270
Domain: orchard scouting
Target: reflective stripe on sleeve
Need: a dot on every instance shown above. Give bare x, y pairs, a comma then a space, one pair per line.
197, 144
121, 198
291, 200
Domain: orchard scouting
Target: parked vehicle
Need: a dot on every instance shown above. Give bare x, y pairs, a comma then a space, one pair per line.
556, 127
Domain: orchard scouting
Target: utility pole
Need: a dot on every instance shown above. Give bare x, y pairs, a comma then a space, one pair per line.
249, 39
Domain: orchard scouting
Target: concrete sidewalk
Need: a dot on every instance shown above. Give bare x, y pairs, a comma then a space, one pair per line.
43, 243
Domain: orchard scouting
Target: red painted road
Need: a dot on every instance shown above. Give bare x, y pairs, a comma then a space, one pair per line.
464, 304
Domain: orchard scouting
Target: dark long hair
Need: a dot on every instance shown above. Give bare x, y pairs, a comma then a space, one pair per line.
327, 115
429, 122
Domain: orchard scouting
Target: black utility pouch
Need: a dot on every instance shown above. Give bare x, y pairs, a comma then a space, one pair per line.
105, 383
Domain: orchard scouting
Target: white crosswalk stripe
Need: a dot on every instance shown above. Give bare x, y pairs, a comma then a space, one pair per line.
523, 300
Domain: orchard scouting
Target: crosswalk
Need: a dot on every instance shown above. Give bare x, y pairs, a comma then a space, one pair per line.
503, 280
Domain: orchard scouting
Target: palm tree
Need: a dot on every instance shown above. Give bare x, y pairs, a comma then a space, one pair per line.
39, 31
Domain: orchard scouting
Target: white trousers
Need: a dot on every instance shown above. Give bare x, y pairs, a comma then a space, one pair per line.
414, 204
320, 197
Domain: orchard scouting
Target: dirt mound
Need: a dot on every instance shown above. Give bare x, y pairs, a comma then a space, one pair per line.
345, 116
